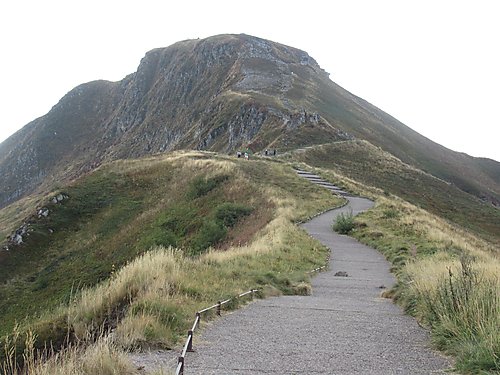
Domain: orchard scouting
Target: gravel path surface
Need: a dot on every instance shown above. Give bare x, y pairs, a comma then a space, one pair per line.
344, 327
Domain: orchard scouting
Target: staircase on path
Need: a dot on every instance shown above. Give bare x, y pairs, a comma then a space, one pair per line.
344, 327
319, 181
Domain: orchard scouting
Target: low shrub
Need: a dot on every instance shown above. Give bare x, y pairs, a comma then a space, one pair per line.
344, 223
211, 233
229, 213
202, 186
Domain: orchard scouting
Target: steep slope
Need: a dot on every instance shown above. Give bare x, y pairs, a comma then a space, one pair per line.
219, 93
57, 143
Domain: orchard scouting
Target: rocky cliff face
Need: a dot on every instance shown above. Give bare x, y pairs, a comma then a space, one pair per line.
218, 93
202, 94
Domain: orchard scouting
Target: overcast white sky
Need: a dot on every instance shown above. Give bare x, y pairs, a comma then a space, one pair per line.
434, 65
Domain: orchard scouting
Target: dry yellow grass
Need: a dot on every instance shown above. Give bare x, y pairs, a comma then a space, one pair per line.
99, 358
102, 358
156, 272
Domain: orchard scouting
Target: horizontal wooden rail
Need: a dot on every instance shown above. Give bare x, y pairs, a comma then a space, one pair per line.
188, 346
318, 269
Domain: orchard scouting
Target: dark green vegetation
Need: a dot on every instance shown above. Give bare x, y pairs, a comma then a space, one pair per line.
199, 221
344, 223
371, 166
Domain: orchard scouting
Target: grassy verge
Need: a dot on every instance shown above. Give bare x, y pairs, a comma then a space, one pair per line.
447, 278
230, 220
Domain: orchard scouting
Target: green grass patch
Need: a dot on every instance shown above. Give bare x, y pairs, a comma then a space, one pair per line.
201, 185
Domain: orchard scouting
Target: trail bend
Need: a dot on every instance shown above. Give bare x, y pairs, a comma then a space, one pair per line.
344, 327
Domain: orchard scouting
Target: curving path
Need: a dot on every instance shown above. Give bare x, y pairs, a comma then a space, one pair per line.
343, 328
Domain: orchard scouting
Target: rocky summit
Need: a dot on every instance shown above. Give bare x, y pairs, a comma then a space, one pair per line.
220, 93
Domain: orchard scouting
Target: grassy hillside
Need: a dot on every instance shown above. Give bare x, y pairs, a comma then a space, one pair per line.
230, 219
372, 166
148, 242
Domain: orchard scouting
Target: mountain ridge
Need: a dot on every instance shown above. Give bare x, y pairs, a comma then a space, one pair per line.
219, 93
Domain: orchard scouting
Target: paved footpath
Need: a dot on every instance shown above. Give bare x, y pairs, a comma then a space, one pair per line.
344, 327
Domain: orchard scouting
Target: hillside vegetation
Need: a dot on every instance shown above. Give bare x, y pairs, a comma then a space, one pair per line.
148, 242
363, 162
151, 241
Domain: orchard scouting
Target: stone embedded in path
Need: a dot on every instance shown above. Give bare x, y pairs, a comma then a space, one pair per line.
341, 273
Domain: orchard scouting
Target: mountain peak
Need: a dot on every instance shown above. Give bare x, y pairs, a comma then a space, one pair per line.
219, 93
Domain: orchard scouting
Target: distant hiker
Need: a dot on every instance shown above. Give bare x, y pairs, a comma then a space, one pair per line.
265, 152
238, 154
274, 152
246, 155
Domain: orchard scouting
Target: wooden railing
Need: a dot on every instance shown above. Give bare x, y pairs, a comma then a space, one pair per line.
188, 346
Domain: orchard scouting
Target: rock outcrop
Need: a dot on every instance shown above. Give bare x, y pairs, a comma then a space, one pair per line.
20, 235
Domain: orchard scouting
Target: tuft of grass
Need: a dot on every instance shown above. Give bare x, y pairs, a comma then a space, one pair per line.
344, 223
462, 308
391, 213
